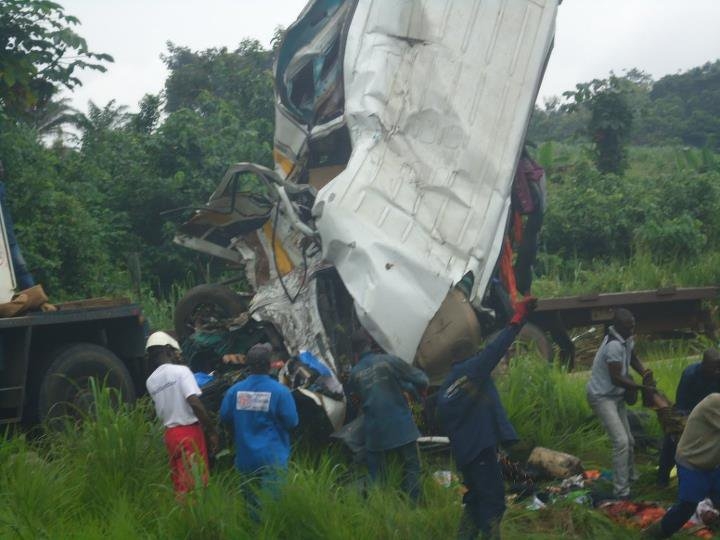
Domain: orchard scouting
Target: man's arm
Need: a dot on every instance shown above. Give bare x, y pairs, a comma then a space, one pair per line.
408, 373
618, 379
190, 389
682, 395
615, 354
226, 407
199, 410
482, 364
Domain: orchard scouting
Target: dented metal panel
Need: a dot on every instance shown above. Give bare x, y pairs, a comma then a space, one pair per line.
300, 324
438, 94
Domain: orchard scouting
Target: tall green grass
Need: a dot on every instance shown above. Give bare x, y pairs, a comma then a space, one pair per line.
159, 310
548, 408
567, 277
108, 478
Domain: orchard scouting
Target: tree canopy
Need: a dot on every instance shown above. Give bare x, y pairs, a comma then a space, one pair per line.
683, 108
84, 210
39, 54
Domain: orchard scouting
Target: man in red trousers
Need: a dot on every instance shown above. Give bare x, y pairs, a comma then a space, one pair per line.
175, 393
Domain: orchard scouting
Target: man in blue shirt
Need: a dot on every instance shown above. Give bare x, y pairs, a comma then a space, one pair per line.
470, 412
261, 411
698, 381
380, 382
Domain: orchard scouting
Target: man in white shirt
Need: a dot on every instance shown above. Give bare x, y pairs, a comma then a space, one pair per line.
175, 393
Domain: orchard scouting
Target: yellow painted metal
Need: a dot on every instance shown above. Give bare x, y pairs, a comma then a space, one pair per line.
284, 264
285, 164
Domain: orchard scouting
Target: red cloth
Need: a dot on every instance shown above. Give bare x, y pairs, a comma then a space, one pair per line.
507, 273
188, 456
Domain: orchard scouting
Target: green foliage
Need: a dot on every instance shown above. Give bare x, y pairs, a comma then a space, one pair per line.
64, 244
610, 122
690, 105
676, 238
241, 77
666, 204
563, 277
82, 212
677, 109
39, 54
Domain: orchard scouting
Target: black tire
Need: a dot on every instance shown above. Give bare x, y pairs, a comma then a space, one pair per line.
530, 339
65, 388
533, 338
206, 303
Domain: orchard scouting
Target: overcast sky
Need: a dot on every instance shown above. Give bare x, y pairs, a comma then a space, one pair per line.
592, 38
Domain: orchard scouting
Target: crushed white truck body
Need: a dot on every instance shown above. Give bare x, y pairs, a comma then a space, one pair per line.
437, 99
399, 124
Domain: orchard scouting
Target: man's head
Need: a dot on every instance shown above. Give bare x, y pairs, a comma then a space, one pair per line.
624, 322
710, 366
258, 358
360, 341
162, 348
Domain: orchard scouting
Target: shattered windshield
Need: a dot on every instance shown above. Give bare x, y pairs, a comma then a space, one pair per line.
309, 65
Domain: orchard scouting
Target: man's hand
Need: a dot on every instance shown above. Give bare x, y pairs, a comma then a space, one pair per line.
208, 427
648, 379
523, 310
233, 359
214, 440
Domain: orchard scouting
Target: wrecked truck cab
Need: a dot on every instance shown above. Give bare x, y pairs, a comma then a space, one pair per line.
398, 129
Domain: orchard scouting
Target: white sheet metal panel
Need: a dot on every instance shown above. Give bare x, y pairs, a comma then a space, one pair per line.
7, 273
438, 96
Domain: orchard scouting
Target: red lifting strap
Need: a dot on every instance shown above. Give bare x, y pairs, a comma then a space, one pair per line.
507, 273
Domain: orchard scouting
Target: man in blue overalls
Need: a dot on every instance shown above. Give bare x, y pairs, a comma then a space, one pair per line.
380, 381
470, 412
262, 412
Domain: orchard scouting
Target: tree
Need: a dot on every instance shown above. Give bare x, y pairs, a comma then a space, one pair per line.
39, 54
611, 119
242, 77
50, 119
98, 119
147, 118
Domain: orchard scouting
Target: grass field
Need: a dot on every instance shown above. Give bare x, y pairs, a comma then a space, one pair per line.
108, 479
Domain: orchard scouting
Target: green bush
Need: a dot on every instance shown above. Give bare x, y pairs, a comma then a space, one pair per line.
676, 238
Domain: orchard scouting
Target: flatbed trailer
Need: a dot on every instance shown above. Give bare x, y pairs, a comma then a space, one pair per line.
48, 358
660, 312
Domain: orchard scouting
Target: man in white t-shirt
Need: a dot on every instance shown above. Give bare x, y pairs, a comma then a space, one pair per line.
610, 388
175, 393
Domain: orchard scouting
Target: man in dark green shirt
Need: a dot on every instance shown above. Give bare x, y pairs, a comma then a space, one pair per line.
380, 382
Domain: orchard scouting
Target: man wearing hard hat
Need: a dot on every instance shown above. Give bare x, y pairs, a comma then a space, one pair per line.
175, 393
